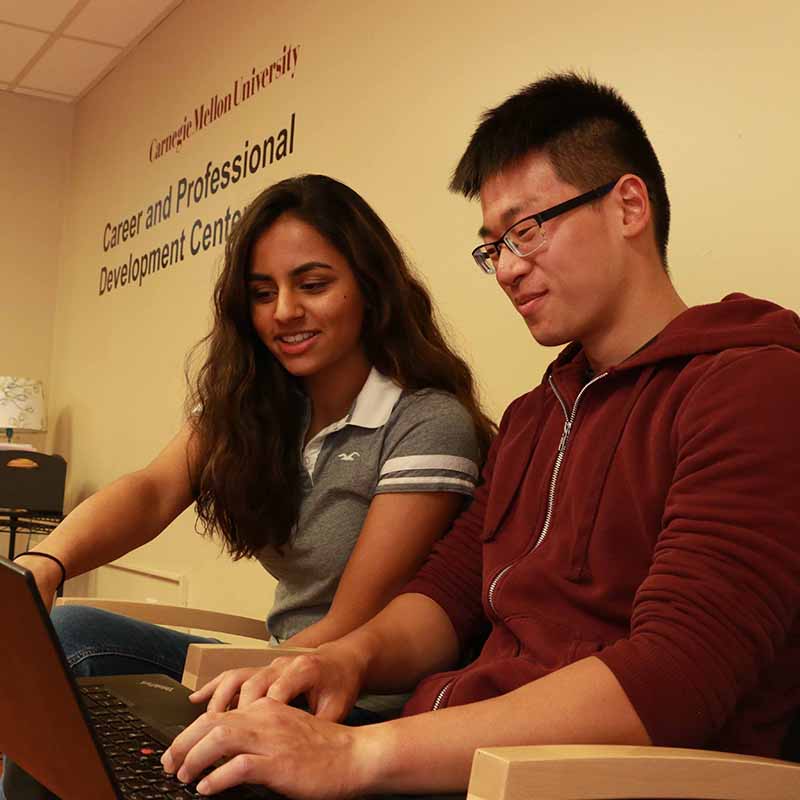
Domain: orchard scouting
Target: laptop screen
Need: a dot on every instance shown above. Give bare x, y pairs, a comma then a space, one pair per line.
42, 724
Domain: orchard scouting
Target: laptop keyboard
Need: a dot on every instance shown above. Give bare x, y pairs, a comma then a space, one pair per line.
135, 755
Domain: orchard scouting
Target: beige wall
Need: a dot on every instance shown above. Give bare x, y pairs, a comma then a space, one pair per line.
35, 140
386, 101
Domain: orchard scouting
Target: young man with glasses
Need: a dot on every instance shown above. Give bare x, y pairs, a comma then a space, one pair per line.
633, 547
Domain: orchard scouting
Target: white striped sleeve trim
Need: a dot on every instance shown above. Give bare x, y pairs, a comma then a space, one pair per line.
434, 462
432, 480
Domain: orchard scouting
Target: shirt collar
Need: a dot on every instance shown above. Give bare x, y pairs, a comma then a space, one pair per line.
371, 409
376, 400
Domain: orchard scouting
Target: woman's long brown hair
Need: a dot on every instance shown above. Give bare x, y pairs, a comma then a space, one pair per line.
248, 423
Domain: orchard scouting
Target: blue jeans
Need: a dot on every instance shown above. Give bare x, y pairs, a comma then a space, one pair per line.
97, 642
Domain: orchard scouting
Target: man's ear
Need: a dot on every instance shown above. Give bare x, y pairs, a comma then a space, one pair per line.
634, 203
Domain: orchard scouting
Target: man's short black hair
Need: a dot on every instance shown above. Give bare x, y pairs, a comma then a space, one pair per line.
589, 133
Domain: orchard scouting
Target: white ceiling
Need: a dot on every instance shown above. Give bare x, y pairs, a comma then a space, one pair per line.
60, 49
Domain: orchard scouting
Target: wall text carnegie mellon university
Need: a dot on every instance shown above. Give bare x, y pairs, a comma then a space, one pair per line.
244, 88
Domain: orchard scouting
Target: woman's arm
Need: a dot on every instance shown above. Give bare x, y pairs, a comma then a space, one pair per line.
119, 518
397, 535
428, 464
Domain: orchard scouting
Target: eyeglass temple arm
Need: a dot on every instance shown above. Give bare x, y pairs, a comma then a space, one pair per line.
581, 199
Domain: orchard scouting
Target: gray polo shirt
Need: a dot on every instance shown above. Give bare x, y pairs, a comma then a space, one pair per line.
390, 441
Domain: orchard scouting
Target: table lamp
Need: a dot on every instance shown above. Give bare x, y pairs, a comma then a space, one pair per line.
21, 405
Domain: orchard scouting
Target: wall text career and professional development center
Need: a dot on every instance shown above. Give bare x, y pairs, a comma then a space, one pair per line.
186, 193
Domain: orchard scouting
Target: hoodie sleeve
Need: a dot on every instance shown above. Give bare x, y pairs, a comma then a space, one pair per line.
723, 590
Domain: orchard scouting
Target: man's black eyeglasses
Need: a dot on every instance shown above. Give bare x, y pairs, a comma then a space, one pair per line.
526, 235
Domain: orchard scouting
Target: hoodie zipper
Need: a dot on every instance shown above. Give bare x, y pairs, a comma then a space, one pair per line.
569, 419
440, 697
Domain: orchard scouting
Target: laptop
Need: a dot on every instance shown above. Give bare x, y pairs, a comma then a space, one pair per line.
99, 738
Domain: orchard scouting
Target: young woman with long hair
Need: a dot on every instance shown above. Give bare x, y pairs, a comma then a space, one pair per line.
331, 433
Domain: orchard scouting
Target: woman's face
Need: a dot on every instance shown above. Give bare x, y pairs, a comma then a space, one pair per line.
305, 302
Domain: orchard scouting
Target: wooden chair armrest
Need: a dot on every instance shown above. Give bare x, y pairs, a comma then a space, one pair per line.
593, 772
206, 661
177, 616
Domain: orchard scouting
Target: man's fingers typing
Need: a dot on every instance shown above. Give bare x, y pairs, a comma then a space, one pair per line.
206, 690
218, 742
243, 768
228, 688
255, 687
174, 756
297, 677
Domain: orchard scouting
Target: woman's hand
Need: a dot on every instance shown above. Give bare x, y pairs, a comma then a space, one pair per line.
272, 744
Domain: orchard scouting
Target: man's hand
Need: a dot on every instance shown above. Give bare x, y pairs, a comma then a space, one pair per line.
330, 678
224, 691
430, 753
272, 744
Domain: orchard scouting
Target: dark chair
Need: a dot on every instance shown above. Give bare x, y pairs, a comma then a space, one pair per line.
31, 492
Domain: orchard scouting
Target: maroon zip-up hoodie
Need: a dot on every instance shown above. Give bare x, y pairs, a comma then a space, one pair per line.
648, 516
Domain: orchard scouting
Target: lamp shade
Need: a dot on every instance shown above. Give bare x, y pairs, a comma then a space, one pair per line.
21, 404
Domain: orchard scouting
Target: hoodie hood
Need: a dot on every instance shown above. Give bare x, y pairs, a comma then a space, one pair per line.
735, 321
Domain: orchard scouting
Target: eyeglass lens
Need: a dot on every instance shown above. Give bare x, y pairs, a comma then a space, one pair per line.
522, 239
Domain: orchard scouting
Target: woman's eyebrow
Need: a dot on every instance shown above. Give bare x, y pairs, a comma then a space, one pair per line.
299, 270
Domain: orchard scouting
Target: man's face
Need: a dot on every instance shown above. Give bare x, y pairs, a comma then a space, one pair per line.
570, 289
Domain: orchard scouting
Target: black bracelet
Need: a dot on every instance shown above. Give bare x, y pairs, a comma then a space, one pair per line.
52, 558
